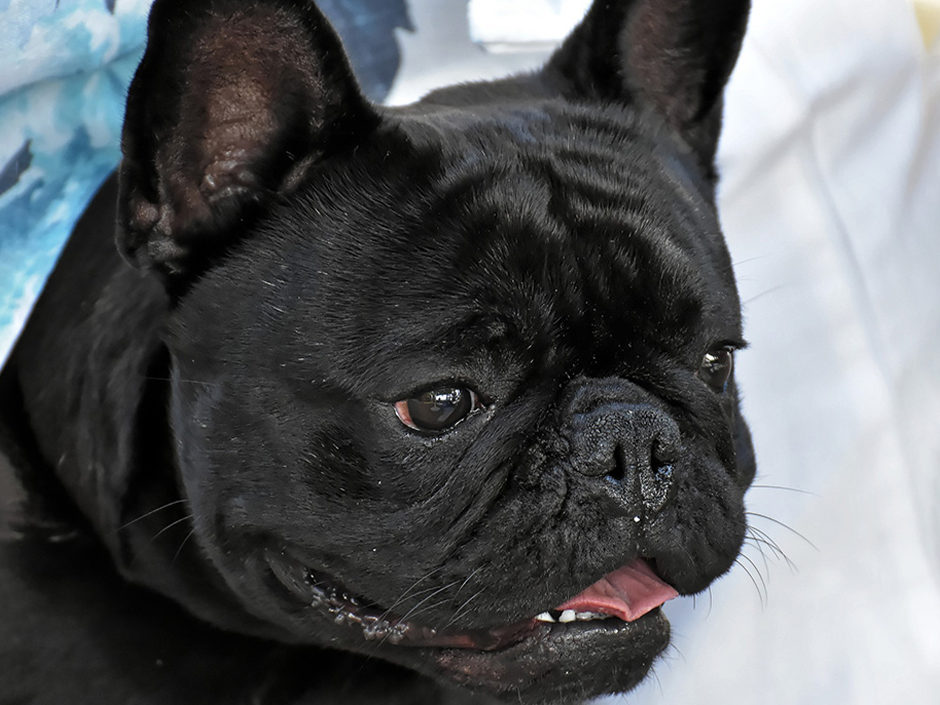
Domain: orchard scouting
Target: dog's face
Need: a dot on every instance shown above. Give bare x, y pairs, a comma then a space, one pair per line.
446, 378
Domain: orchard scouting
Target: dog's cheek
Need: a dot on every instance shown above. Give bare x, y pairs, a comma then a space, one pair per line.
231, 471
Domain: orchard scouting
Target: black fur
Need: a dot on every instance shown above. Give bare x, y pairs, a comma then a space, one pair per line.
307, 260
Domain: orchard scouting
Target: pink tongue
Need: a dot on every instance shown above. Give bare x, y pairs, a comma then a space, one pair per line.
628, 593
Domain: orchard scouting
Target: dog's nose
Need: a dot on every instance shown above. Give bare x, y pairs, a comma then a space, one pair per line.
634, 445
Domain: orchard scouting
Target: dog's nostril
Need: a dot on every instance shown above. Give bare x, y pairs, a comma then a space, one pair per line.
657, 486
664, 452
618, 471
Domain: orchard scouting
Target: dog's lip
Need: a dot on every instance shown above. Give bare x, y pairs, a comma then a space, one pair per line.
602, 605
379, 624
555, 653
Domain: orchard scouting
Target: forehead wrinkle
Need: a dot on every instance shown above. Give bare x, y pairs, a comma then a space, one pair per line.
577, 261
574, 217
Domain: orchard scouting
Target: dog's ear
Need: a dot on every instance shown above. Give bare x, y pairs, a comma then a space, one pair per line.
233, 103
673, 56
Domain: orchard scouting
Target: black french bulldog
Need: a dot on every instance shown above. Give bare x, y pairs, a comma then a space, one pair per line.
412, 405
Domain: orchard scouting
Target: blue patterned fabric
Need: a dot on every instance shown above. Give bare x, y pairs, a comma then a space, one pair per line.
64, 71
368, 31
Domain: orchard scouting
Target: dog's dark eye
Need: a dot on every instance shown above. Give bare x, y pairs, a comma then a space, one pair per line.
716, 368
437, 409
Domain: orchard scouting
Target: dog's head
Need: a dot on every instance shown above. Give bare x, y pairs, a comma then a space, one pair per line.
451, 384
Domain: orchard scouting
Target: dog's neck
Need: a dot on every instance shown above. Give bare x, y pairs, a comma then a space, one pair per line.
119, 488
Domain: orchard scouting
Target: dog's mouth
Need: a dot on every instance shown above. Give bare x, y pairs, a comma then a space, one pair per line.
623, 595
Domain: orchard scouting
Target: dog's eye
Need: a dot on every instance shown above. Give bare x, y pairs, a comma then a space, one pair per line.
716, 368
437, 409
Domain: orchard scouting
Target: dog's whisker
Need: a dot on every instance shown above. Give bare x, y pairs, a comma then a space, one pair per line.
187, 381
464, 608
468, 579
415, 610
152, 511
761, 537
659, 682
756, 586
675, 647
422, 591
411, 614
695, 602
428, 607
764, 536
756, 258
783, 487
414, 595
760, 576
161, 531
407, 593
784, 525
182, 543
750, 541
777, 552
761, 295
169, 526
758, 541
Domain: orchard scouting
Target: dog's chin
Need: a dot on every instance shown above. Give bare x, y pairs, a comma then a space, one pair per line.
560, 663
530, 660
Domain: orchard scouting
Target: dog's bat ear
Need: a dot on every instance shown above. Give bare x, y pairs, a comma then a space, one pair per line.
673, 56
233, 103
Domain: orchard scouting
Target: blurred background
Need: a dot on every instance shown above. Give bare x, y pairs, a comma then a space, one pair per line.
830, 200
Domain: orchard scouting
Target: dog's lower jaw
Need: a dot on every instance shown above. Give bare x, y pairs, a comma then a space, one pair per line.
560, 663
529, 661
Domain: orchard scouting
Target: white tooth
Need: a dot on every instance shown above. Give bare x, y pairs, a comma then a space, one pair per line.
590, 616
545, 617
567, 616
